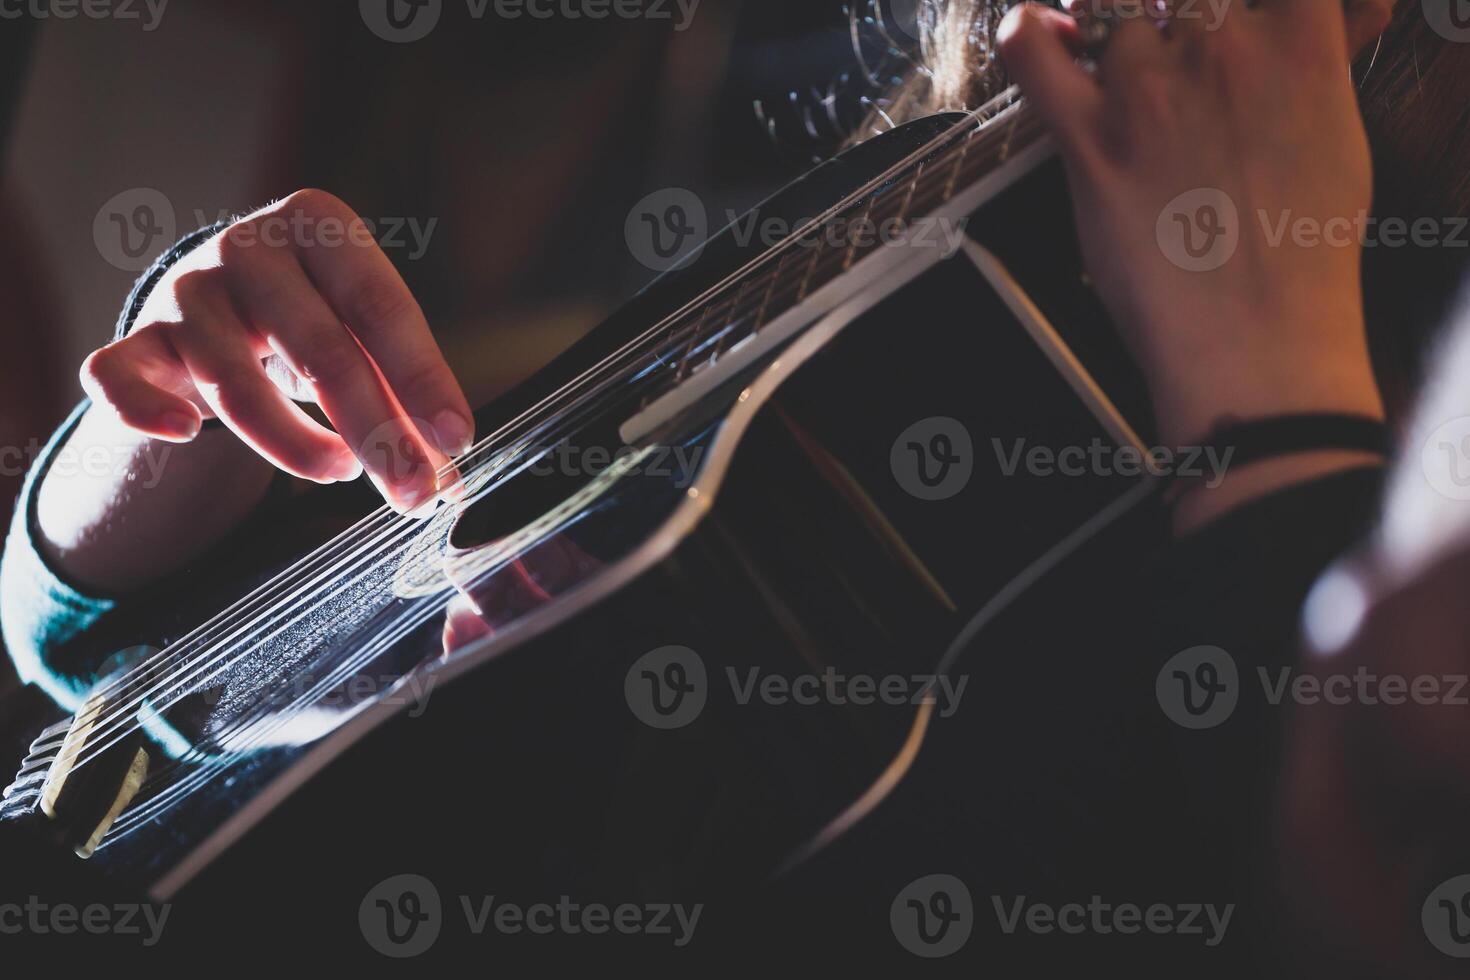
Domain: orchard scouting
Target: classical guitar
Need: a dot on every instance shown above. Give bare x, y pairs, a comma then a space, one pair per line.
806, 472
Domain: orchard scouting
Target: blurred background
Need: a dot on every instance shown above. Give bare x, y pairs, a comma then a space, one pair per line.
499, 155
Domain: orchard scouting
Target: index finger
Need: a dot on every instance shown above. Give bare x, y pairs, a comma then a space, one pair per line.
364, 288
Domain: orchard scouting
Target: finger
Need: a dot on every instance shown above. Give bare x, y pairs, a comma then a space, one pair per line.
225, 366
116, 378
463, 624
1039, 49
365, 289
1196, 22
1136, 42
282, 306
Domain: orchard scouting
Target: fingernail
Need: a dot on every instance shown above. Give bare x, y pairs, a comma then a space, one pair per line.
453, 432
182, 425
412, 501
345, 468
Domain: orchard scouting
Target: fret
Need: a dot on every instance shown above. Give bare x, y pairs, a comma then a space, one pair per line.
724, 334
852, 246
811, 268
908, 198
683, 369
931, 183
959, 163
775, 277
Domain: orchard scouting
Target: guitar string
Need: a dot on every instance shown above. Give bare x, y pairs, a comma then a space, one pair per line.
287, 572
381, 643
125, 713
368, 550
609, 364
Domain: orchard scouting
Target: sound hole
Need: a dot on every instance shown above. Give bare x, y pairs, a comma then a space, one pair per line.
522, 499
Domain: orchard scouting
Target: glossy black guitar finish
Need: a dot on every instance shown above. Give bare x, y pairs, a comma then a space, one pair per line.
838, 507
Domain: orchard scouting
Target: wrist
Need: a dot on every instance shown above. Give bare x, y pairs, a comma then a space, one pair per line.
1188, 410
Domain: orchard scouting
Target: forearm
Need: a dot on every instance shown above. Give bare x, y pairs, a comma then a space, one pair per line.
117, 511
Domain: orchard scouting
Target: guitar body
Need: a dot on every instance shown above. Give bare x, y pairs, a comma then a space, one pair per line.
657, 701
